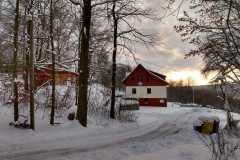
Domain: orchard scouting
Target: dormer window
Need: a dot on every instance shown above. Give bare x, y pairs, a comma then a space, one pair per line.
140, 78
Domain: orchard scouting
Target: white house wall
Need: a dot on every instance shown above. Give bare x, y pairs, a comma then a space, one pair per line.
141, 92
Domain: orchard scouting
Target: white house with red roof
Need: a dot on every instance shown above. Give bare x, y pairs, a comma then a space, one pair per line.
149, 87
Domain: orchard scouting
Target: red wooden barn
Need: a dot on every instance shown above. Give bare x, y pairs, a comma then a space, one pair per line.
62, 76
148, 86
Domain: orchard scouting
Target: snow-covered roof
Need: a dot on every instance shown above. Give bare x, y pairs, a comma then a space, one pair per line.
157, 75
57, 68
152, 73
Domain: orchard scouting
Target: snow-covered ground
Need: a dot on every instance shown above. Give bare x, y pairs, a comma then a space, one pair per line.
158, 134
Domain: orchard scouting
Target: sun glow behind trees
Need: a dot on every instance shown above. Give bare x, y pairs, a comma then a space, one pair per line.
192, 77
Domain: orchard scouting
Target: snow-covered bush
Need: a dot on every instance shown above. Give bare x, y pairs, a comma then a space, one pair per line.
99, 101
127, 116
222, 146
65, 99
6, 91
99, 105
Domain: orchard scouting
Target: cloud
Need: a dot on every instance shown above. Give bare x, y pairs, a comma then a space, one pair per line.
168, 56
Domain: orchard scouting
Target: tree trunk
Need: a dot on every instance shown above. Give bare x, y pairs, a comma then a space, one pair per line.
15, 87
78, 68
31, 86
1, 7
228, 111
84, 64
53, 65
25, 56
26, 73
114, 65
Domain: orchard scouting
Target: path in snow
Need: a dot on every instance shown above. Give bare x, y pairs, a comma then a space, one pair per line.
164, 130
162, 134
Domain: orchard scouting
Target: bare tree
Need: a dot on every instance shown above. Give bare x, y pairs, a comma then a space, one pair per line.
215, 35
31, 72
83, 63
53, 65
222, 145
15, 87
122, 12
114, 65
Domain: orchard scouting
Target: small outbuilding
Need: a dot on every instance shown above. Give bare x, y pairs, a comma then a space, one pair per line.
149, 87
62, 75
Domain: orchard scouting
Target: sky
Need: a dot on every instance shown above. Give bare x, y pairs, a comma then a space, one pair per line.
168, 55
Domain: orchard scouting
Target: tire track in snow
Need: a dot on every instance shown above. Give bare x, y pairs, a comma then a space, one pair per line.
163, 130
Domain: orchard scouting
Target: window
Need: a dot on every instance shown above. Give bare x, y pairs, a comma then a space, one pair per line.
140, 78
134, 90
149, 90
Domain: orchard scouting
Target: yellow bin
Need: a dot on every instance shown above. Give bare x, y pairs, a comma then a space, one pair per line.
207, 127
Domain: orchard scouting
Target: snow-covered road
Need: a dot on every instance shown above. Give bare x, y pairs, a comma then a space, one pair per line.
90, 145
161, 133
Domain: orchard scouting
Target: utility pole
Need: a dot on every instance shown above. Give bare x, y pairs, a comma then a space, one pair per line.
193, 95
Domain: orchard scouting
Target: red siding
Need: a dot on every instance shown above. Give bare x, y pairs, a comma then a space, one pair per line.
156, 102
44, 75
41, 76
148, 78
